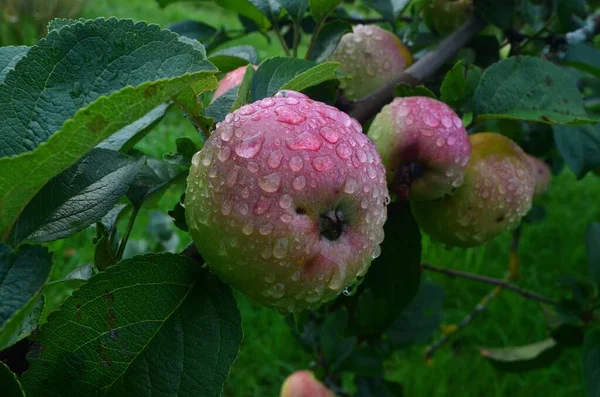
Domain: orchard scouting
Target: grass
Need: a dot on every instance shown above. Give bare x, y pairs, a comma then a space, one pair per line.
269, 351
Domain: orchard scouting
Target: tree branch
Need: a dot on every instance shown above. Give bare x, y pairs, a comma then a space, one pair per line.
491, 280
420, 71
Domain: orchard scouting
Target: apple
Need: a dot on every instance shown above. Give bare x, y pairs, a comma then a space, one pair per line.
369, 57
496, 194
286, 201
445, 16
423, 145
542, 176
304, 384
231, 80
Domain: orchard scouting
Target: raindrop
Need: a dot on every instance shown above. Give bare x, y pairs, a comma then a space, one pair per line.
253, 167
329, 134
270, 183
261, 206
344, 151
296, 164
286, 201
280, 248
304, 141
351, 185
322, 164
299, 182
275, 159
265, 229
250, 147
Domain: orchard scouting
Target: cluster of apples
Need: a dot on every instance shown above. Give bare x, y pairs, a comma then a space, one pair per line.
287, 199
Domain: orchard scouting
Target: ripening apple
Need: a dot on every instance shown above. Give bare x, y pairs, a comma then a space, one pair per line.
496, 194
286, 201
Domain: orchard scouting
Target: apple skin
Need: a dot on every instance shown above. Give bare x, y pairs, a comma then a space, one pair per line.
496, 194
542, 175
445, 16
286, 201
370, 57
304, 384
428, 134
231, 80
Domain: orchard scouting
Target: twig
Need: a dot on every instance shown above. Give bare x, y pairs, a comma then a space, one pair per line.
481, 306
286, 49
125, 238
420, 71
513, 255
371, 20
490, 280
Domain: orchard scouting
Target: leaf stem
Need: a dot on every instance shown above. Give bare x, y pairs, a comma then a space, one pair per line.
285, 47
296, 39
125, 238
490, 280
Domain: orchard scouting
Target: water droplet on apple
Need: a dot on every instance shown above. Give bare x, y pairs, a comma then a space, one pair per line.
281, 247
322, 163
286, 201
250, 147
304, 141
270, 183
299, 182
329, 134
351, 185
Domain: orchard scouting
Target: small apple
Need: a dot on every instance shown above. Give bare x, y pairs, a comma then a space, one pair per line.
286, 201
370, 57
231, 80
304, 384
445, 16
423, 145
542, 175
496, 194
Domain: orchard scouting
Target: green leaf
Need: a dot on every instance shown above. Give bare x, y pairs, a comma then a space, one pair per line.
328, 39
153, 179
335, 346
77, 198
389, 9
459, 85
126, 56
242, 7
320, 8
579, 147
221, 106
278, 73
531, 89
22, 323
591, 363
23, 272
535, 355
404, 90
421, 319
9, 56
567, 12
126, 138
326, 92
583, 57
499, 13
196, 30
364, 361
243, 91
233, 57
178, 214
270, 8
393, 279
313, 76
295, 8
11, 387
592, 245
115, 333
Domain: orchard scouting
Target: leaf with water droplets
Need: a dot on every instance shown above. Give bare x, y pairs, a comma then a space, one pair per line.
85, 110
531, 89
130, 320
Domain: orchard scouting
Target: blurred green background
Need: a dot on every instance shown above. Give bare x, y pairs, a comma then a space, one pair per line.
269, 352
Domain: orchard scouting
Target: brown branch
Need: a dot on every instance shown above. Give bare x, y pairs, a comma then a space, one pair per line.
490, 280
420, 71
